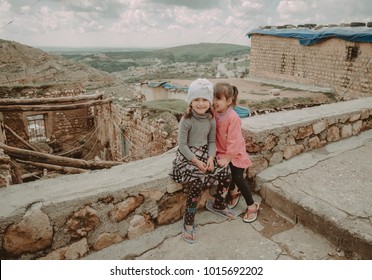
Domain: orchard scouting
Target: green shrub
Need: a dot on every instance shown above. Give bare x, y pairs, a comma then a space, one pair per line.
175, 106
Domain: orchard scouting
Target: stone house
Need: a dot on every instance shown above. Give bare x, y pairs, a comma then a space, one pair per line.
53, 120
153, 90
62, 122
337, 57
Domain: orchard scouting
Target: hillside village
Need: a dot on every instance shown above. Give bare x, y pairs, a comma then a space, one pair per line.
220, 67
186, 62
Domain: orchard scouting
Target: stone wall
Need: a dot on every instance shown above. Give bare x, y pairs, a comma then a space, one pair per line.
106, 132
145, 132
5, 175
69, 217
55, 90
328, 63
276, 137
5, 172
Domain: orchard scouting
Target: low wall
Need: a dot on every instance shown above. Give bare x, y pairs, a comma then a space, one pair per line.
70, 216
275, 137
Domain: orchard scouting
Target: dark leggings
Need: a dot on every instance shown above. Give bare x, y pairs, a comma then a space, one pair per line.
194, 192
241, 183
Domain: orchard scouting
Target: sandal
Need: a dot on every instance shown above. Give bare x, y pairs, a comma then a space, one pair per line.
185, 231
226, 213
234, 200
253, 211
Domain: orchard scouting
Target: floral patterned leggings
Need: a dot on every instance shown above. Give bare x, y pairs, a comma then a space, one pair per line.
195, 187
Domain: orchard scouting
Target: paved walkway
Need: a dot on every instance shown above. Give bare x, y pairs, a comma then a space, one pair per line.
328, 189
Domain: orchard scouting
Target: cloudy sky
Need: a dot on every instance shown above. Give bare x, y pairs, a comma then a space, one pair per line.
162, 23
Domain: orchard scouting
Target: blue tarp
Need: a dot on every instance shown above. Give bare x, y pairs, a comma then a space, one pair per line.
169, 86
155, 84
242, 112
166, 85
308, 36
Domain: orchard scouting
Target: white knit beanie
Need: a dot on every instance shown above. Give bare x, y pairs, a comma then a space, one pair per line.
200, 88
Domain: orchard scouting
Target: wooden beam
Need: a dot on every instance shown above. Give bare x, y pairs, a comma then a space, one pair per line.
23, 141
53, 107
16, 173
63, 169
43, 100
32, 175
33, 156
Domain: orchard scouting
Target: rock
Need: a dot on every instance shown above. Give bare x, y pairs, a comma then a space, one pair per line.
82, 222
123, 209
140, 225
33, 233
275, 92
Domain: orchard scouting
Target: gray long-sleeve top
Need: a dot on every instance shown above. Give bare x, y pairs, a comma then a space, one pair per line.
196, 131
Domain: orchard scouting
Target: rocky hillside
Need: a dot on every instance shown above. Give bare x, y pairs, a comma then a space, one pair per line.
22, 65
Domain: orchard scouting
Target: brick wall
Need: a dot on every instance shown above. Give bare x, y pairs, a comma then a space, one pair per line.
329, 63
68, 126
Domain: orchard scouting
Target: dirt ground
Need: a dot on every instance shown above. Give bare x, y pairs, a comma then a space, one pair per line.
264, 96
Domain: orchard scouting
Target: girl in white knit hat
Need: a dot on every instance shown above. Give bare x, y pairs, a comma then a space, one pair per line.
195, 162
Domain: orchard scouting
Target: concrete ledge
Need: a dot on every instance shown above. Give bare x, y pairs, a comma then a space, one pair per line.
336, 112
291, 85
327, 190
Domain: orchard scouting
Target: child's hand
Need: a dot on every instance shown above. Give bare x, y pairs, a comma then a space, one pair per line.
210, 164
199, 164
224, 162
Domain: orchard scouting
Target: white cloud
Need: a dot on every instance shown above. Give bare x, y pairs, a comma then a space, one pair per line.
161, 23
4, 12
191, 4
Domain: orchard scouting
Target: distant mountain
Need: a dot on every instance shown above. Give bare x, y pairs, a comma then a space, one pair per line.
22, 65
198, 50
118, 60
88, 51
203, 52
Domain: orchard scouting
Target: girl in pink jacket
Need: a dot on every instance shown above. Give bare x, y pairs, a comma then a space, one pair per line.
231, 147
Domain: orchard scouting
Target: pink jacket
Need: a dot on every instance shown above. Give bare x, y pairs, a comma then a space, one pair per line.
229, 139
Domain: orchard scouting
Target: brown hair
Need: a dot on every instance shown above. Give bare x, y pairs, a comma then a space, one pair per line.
188, 112
227, 90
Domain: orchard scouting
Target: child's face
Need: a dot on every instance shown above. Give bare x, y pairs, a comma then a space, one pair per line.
200, 105
221, 105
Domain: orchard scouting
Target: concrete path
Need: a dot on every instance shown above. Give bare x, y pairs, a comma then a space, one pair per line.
323, 193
